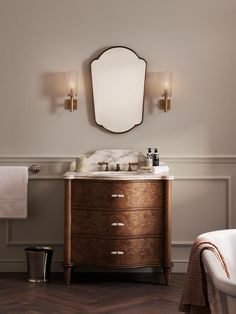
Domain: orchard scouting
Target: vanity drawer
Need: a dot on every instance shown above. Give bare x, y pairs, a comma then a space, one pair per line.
117, 253
117, 194
117, 222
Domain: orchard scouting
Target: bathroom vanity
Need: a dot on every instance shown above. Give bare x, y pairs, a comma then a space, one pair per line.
118, 222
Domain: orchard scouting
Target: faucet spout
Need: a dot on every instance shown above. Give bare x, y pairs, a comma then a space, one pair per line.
101, 163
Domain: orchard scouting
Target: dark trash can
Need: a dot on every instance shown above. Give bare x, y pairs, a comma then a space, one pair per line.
38, 263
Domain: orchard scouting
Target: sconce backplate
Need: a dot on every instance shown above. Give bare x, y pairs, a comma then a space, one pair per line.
68, 104
164, 104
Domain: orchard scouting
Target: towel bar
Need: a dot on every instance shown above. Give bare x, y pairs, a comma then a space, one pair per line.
34, 168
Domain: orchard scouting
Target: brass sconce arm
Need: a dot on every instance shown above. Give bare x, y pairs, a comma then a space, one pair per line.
165, 102
71, 103
72, 90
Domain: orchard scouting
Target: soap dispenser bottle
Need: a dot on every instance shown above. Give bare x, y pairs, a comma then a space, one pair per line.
155, 161
149, 158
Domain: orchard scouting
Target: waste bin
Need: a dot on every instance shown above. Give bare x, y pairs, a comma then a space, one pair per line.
38, 263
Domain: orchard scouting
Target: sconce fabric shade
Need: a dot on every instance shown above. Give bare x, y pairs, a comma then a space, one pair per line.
166, 87
72, 90
166, 83
72, 83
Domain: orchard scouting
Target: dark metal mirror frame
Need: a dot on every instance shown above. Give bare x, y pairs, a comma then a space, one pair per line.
95, 59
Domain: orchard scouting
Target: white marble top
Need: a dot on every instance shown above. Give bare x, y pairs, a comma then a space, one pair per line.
123, 157
121, 175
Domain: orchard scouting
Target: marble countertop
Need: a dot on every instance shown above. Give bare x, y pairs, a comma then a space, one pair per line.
102, 175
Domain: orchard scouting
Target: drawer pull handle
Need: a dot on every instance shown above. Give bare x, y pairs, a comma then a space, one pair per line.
117, 253
120, 224
117, 195
117, 224
113, 253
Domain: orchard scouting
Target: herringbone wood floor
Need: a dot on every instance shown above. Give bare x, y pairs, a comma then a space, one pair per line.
90, 294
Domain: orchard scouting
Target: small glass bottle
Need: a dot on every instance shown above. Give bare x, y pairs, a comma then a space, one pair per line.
149, 158
155, 160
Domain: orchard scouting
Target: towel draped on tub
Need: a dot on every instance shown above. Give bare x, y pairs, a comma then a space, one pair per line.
13, 192
195, 296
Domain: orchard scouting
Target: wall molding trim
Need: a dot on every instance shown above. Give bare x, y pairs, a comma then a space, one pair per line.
19, 265
10, 242
228, 213
191, 159
195, 158
19, 261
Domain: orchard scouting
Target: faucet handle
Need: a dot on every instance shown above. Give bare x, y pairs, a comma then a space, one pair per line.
131, 164
101, 163
117, 167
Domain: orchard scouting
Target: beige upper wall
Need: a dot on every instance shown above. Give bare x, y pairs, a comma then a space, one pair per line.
194, 39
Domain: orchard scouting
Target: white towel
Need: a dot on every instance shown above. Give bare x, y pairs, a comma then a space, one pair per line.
160, 169
13, 192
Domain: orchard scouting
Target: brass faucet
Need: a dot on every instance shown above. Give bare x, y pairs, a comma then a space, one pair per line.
101, 163
117, 167
131, 164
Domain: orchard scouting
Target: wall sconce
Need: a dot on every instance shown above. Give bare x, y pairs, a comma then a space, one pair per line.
166, 87
72, 90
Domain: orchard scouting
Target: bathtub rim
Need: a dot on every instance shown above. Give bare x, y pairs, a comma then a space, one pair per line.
214, 268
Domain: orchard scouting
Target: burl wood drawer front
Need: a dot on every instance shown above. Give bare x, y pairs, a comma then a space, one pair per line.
117, 194
112, 223
117, 253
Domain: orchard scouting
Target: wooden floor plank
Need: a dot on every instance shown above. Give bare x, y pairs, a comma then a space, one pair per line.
90, 294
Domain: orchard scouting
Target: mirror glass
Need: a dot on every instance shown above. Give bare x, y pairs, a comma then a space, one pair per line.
118, 78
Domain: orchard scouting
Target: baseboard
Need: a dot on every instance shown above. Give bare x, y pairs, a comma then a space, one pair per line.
179, 266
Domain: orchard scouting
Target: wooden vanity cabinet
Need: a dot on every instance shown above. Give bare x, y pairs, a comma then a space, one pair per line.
117, 224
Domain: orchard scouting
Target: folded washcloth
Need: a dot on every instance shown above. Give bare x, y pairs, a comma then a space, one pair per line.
160, 169
13, 192
195, 297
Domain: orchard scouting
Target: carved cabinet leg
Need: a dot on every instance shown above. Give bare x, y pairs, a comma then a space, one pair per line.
167, 272
168, 228
67, 233
67, 273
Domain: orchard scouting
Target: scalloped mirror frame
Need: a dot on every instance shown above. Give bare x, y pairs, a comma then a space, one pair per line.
118, 80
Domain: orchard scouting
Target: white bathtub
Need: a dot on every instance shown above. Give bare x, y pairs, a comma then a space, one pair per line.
223, 288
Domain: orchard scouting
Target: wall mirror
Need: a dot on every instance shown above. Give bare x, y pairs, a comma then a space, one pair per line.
118, 78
